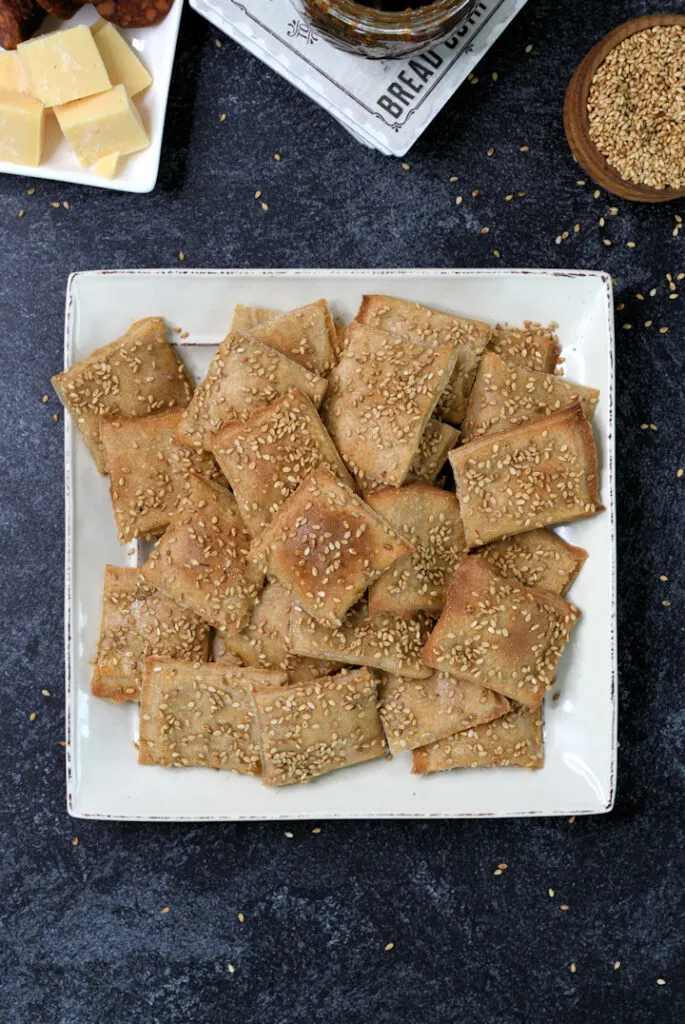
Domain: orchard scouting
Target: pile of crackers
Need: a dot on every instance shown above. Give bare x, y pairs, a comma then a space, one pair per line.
354, 557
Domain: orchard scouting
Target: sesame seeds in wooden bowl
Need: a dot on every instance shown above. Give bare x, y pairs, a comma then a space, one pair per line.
640, 154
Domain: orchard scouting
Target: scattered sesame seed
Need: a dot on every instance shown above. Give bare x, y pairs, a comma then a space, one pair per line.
459, 200
21, 213
405, 167
529, 48
648, 323
315, 831
663, 330
509, 197
621, 306
606, 241
524, 149
503, 867
474, 80
476, 192
571, 819
62, 743
241, 917
222, 117
55, 417
602, 222
165, 910
74, 841
572, 968
576, 228
644, 426
679, 473
596, 193
666, 604
277, 156
231, 969
498, 871
258, 194
563, 906
454, 178
550, 892
66, 206
613, 210
661, 981
627, 327
521, 194
33, 716
218, 44
484, 231
617, 964
580, 182
630, 245
496, 253
45, 399
639, 296
46, 693
55, 206
652, 426
495, 76
264, 206
389, 945
673, 295
30, 191
181, 255
288, 835
491, 151
652, 292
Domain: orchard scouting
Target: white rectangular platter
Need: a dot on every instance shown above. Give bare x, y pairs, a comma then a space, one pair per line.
104, 779
156, 47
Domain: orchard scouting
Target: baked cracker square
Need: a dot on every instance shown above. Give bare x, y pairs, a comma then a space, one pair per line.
513, 740
326, 546
136, 375
500, 634
530, 345
200, 715
309, 729
381, 396
201, 560
266, 458
430, 521
138, 621
538, 558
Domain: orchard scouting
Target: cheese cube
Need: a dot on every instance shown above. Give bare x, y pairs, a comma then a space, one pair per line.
106, 166
63, 66
22, 125
12, 75
103, 124
123, 67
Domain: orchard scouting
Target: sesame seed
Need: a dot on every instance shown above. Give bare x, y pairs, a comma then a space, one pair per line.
661, 981
218, 44
550, 892
258, 194
30, 191
529, 48
222, 117
509, 197
652, 292
74, 841
459, 200
652, 426
644, 426
46, 693
524, 149
405, 167
55, 206
55, 417
277, 156
498, 871
648, 323
33, 716
476, 192
165, 910
454, 178
571, 819
491, 151
181, 255
241, 917
495, 76
663, 578
288, 835
564, 906
264, 206
502, 867
66, 206
572, 968
663, 330
389, 945
666, 604
231, 969
45, 399
316, 831
496, 253
21, 213
606, 241
627, 327
617, 964
596, 193
484, 231
580, 182
630, 245
679, 473
613, 210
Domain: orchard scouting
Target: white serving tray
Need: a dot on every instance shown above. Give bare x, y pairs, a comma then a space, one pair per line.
104, 779
156, 47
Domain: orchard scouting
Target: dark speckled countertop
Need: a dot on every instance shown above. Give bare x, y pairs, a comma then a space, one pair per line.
82, 936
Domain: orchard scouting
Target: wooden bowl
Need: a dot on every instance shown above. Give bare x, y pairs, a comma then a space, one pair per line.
576, 122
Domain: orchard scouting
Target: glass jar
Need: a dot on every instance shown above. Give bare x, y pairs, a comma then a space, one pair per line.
385, 28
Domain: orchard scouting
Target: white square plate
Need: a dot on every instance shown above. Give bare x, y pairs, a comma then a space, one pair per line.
156, 47
103, 777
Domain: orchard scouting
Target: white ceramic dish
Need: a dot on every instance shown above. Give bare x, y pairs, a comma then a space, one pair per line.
103, 777
156, 47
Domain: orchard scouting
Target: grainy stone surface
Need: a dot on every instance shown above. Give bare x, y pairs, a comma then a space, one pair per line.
82, 935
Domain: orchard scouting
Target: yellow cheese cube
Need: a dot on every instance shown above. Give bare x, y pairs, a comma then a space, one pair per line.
22, 124
123, 67
12, 75
63, 66
103, 124
106, 166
